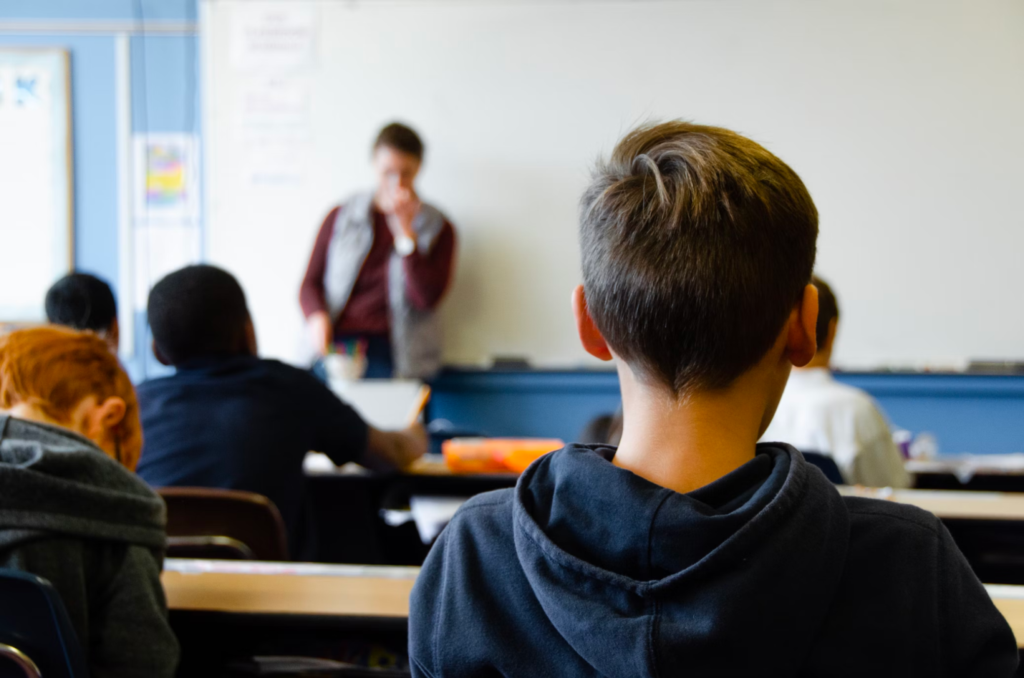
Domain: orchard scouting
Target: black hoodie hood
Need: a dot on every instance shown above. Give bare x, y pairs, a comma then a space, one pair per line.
54, 481
609, 554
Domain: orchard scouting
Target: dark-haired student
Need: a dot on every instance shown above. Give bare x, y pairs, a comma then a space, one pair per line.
380, 266
84, 302
71, 510
229, 419
690, 549
819, 414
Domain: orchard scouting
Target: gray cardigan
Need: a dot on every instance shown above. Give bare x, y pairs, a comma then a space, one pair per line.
76, 517
415, 333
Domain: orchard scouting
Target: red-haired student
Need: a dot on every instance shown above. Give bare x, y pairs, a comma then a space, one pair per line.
71, 509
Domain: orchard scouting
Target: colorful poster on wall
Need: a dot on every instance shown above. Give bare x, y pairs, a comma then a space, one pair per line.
166, 177
166, 233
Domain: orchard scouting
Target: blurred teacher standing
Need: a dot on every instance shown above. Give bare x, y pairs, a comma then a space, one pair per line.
380, 265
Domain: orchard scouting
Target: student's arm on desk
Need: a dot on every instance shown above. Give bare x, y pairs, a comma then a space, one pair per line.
342, 435
975, 638
395, 449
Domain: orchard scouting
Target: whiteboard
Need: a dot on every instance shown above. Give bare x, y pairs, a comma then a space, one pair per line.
903, 119
36, 222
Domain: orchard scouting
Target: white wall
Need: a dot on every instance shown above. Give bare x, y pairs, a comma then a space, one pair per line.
905, 119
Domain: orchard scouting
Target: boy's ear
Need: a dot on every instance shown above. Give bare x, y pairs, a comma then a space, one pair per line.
801, 342
590, 336
111, 412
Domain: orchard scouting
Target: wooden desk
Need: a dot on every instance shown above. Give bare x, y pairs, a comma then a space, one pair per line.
284, 588
951, 504
346, 504
970, 464
972, 472
355, 591
225, 612
430, 466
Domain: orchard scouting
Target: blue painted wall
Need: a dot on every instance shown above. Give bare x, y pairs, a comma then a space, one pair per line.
523, 404
966, 413
165, 98
159, 10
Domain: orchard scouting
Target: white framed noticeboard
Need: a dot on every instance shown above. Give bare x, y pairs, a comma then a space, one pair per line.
36, 204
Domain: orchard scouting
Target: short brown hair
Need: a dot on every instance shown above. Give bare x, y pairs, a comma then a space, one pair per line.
56, 368
696, 244
828, 310
401, 138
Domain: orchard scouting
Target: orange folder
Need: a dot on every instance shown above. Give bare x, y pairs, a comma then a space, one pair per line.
496, 455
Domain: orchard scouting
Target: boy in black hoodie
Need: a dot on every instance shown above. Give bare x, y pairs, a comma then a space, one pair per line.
690, 549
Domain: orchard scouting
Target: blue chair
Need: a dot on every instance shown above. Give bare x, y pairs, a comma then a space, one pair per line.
826, 465
36, 636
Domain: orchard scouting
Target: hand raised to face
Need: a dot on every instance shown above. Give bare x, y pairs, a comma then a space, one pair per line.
396, 194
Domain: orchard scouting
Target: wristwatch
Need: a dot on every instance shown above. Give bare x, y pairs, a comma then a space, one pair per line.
405, 245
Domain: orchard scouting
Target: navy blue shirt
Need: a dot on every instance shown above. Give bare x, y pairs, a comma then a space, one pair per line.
244, 423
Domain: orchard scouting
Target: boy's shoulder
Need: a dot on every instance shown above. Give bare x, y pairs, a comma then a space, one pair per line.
489, 512
247, 369
892, 516
282, 370
886, 534
482, 526
479, 535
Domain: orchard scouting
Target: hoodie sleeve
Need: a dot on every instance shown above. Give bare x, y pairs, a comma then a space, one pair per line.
976, 640
130, 632
425, 612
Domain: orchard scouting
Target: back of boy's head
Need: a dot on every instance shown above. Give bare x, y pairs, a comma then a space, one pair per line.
828, 310
55, 368
196, 312
696, 244
82, 302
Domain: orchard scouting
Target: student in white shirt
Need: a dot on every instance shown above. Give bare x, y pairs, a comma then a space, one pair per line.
819, 414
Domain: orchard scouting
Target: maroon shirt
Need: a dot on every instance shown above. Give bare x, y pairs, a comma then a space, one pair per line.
426, 277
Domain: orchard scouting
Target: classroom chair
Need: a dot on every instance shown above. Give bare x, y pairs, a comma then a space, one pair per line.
223, 525
36, 636
826, 465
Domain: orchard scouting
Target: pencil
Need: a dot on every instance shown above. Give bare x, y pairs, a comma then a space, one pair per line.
421, 402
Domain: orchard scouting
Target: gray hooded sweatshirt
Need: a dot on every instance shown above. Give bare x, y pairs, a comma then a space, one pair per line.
76, 517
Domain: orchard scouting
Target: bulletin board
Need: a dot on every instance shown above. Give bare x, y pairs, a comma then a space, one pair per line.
36, 205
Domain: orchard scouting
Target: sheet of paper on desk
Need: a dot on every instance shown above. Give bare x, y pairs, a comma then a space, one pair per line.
966, 466
245, 567
318, 463
386, 404
433, 513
